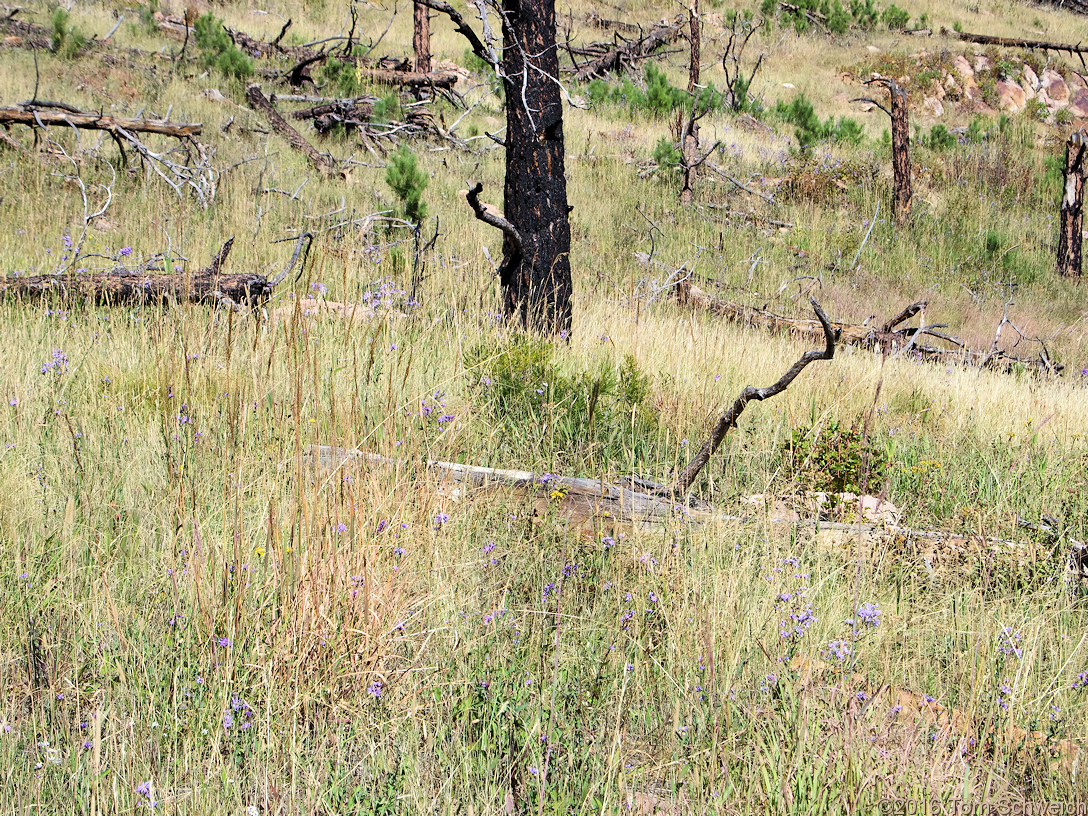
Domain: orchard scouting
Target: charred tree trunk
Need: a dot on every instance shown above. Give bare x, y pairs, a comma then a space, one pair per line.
1070, 233
421, 37
899, 112
689, 135
535, 271
535, 276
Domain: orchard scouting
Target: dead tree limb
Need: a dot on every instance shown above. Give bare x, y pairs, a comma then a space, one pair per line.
884, 340
258, 101
34, 116
689, 131
1070, 229
139, 286
900, 116
623, 56
492, 216
687, 476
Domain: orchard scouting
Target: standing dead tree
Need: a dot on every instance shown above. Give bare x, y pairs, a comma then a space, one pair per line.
1070, 229
689, 132
899, 113
687, 476
421, 36
740, 32
535, 273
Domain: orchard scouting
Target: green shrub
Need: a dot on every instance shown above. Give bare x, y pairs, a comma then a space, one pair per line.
597, 416
217, 49
836, 459
658, 99
67, 41
939, 138
895, 18
388, 108
667, 155
341, 76
408, 183
864, 13
811, 130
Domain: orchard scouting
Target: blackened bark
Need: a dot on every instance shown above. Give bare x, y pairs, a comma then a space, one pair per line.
1070, 234
689, 135
421, 37
536, 281
900, 116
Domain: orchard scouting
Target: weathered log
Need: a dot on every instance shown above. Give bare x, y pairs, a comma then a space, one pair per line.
884, 339
1070, 229
408, 79
27, 114
1016, 42
595, 20
127, 286
258, 101
623, 56
346, 112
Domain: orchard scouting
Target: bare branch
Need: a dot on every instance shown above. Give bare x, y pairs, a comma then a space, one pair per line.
492, 217
729, 420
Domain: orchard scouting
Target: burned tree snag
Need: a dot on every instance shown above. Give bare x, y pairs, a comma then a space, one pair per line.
729, 420
535, 273
1070, 233
900, 116
689, 134
421, 37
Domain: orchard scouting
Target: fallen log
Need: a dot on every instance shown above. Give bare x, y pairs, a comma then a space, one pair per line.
258, 101
595, 20
139, 286
346, 112
38, 115
882, 339
623, 56
1016, 42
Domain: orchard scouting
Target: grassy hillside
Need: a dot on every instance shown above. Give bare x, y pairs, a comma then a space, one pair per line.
201, 618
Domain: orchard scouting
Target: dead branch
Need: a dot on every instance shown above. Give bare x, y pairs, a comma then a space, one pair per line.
880, 340
595, 20
491, 216
258, 101
623, 56
687, 476
139, 286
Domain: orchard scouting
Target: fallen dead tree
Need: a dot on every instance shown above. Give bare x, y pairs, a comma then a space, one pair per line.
45, 114
259, 102
1017, 42
210, 285
628, 52
884, 338
196, 173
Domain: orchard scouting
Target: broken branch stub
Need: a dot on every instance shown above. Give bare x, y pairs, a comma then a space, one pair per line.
729, 420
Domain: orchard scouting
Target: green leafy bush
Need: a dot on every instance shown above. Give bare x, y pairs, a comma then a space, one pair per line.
666, 154
939, 138
408, 183
388, 108
835, 459
217, 49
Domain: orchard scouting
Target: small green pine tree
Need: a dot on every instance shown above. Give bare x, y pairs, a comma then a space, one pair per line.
408, 183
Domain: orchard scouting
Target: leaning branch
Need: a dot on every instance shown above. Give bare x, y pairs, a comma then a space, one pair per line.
479, 48
1017, 42
729, 420
258, 101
